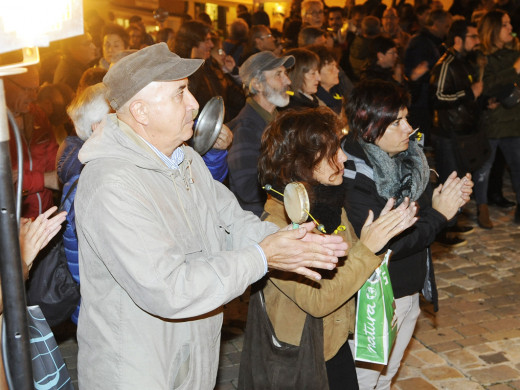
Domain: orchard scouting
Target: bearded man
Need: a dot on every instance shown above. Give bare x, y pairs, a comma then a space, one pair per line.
265, 77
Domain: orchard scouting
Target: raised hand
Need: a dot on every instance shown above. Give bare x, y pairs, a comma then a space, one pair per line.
297, 250
224, 138
376, 234
452, 195
34, 235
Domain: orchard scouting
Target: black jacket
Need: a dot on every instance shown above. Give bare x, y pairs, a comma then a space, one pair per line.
424, 46
299, 101
408, 265
453, 100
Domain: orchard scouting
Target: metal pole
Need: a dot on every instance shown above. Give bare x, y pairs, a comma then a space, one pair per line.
13, 292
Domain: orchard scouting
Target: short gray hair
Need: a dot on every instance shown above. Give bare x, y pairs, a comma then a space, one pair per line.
87, 109
260, 78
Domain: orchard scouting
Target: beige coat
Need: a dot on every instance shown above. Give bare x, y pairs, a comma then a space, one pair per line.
289, 296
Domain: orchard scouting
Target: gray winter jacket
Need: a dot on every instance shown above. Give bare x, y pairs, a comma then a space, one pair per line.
160, 251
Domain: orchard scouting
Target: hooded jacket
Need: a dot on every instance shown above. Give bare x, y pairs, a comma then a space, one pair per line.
160, 250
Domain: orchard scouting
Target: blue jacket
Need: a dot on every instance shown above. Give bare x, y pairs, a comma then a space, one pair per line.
69, 168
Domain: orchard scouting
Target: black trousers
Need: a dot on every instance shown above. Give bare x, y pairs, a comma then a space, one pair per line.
341, 370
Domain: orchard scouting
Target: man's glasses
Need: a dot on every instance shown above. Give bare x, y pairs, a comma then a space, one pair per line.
266, 36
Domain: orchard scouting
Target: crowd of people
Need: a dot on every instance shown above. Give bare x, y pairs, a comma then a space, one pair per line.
347, 101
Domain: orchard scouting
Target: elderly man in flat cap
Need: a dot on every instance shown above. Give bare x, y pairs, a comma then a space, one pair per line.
162, 246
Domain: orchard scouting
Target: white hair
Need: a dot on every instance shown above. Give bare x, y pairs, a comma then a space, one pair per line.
87, 109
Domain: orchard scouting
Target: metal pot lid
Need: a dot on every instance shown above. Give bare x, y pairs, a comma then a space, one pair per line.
208, 125
296, 202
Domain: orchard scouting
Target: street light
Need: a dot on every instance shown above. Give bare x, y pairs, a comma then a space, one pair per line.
24, 24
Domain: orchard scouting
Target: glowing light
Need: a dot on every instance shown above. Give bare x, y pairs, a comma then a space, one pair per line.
28, 23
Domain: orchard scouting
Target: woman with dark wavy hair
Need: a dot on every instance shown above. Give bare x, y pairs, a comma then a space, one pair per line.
384, 163
304, 146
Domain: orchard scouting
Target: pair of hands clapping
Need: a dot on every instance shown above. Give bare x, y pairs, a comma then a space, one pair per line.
449, 197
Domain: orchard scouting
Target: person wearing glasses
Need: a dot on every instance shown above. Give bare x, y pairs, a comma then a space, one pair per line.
455, 89
194, 41
312, 13
390, 28
260, 39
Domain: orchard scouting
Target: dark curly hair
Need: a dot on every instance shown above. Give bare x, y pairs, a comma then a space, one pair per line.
372, 106
295, 143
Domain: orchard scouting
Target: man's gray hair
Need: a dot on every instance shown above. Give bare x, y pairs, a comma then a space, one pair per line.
259, 76
87, 109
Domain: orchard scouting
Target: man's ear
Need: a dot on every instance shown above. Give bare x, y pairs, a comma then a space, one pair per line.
139, 110
257, 86
258, 41
458, 42
379, 56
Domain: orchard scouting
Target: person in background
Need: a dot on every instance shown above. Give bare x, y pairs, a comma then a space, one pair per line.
425, 46
260, 17
138, 41
390, 28
305, 79
79, 54
311, 36
382, 61
260, 39
237, 41
33, 237
226, 68
244, 14
39, 145
329, 92
90, 77
265, 78
115, 40
455, 88
336, 27
312, 13
499, 122
194, 40
53, 99
360, 48
86, 111
136, 37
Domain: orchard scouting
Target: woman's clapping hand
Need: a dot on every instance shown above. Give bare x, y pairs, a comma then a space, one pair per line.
376, 234
452, 195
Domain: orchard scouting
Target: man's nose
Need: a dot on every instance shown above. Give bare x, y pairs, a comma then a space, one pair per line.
192, 103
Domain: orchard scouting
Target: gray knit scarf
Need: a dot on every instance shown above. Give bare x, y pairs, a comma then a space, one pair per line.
405, 174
